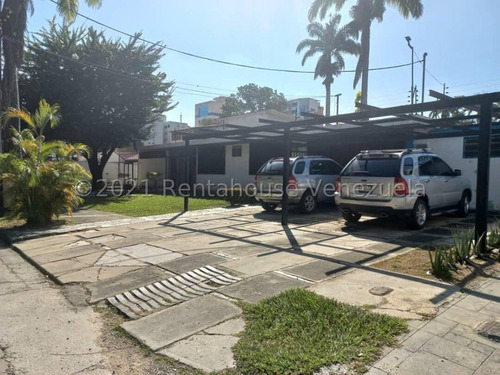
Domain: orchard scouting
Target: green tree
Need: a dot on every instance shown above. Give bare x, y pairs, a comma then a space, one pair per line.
253, 98
42, 176
14, 17
330, 43
363, 12
109, 90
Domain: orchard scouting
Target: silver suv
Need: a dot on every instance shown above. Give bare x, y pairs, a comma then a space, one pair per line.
409, 183
312, 179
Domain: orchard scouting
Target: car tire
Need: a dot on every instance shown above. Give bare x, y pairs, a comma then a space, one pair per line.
269, 207
351, 217
464, 205
307, 203
418, 215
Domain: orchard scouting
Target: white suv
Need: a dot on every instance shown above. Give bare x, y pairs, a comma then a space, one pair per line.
409, 183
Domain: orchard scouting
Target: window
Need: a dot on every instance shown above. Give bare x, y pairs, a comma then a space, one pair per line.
408, 166
384, 167
433, 166
299, 167
236, 151
212, 160
471, 146
273, 168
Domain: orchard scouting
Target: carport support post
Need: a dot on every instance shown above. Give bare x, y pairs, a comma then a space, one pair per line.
286, 175
483, 172
187, 151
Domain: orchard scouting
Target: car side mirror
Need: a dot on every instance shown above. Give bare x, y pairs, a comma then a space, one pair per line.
458, 172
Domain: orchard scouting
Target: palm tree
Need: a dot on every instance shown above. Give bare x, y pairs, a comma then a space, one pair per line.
42, 176
363, 13
13, 21
330, 42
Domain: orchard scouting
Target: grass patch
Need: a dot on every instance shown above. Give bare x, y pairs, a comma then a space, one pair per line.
147, 205
298, 332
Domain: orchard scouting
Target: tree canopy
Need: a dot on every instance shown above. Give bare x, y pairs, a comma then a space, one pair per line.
109, 90
253, 98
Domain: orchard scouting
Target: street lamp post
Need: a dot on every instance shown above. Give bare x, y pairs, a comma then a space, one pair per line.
337, 97
412, 91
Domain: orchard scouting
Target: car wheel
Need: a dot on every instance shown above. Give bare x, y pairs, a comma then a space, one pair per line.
419, 215
269, 207
351, 217
307, 203
464, 205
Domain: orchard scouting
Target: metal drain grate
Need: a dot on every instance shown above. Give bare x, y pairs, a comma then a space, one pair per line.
144, 300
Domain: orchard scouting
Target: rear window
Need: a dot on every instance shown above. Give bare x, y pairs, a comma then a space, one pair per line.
273, 168
383, 167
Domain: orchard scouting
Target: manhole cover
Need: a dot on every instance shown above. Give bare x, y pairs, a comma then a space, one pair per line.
380, 290
490, 330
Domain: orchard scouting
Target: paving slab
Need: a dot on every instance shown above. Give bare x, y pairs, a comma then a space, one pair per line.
131, 280
463, 316
261, 287
229, 328
491, 365
413, 295
148, 254
67, 253
454, 352
266, 262
417, 340
423, 363
191, 262
243, 251
439, 326
94, 274
61, 267
206, 352
316, 270
180, 321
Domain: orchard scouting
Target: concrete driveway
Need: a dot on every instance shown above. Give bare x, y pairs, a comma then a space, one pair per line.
177, 276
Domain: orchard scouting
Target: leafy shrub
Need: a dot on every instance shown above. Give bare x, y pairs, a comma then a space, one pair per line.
41, 177
463, 241
441, 260
494, 236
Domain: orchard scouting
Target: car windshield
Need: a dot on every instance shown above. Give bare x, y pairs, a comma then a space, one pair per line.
383, 167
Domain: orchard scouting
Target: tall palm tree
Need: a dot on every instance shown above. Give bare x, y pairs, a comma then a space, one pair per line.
363, 12
330, 42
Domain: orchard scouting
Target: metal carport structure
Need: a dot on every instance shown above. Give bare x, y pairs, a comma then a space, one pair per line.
371, 121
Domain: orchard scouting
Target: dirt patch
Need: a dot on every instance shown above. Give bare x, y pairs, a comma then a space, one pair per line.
126, 356
416, 263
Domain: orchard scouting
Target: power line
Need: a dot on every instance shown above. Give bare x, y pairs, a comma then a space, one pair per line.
160, 44
427, 70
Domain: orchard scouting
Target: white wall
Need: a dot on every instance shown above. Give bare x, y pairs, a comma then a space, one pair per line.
451, 150
237, 168
151, 165
110, 170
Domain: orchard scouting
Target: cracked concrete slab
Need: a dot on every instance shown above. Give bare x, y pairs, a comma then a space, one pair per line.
192, 262
205, 352
411, 294
261, 287
180, 321
265, 263
316, 270
131, 280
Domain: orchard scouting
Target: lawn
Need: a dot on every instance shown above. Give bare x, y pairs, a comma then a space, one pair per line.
298, 332
147, 205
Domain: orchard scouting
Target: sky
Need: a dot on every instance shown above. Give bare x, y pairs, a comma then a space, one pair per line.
458, 36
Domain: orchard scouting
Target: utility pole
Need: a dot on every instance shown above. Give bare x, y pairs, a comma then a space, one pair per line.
412, 93
423, 81
337, 97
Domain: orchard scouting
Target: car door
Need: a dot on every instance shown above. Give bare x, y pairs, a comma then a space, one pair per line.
450, 191
432, 183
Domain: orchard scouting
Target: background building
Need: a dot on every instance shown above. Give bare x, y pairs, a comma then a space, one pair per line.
309, 105
209, 110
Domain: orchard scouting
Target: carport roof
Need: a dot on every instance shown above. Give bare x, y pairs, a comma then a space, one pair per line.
372, 121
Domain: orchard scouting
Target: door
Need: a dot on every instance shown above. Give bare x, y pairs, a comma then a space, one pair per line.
431, 180
323, 174
451, 191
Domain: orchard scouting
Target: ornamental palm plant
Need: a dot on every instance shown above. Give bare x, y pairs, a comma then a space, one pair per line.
41, 176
